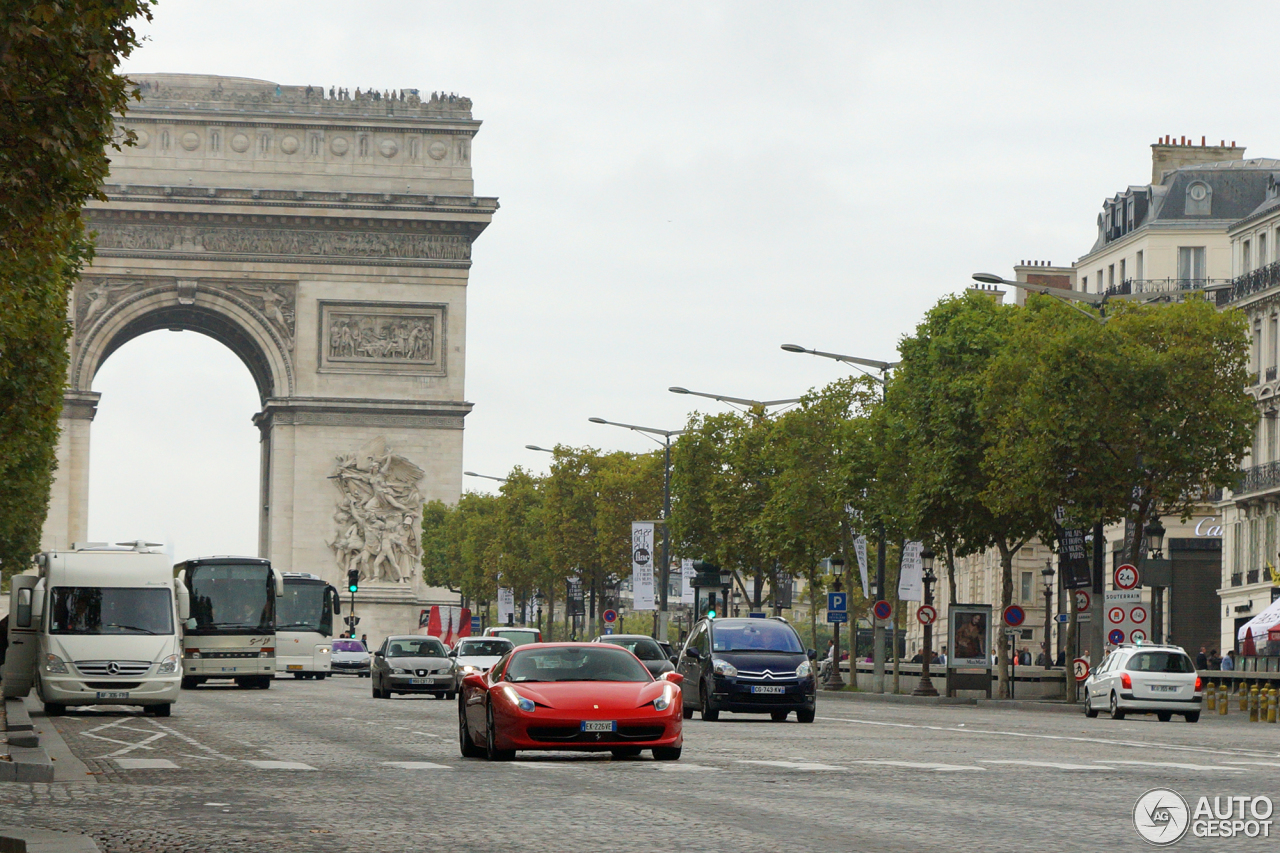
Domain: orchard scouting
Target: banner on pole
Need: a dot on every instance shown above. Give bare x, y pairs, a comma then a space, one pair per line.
860, 548
911, 578
506, 605
687, 574
642, 565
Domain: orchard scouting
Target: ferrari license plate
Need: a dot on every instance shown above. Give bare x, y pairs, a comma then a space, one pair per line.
294, 666
768, 688
112, 695
599, 725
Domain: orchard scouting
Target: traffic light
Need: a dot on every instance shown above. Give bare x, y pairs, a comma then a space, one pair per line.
353, 580
711, 606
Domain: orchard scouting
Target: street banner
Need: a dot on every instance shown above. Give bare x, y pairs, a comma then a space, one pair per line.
911, 576
1073, 558
506, 605
575, 597
687, 574
860, 548
642, 565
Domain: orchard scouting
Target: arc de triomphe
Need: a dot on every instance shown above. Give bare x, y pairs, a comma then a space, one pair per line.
324, 236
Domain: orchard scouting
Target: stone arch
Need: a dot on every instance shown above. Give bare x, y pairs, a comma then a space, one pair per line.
220, 312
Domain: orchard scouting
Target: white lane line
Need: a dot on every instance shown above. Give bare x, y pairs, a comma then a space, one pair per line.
677, 767
1170, 765
197, 744
1243, 753
1056, 765
424, 734
145, 764
280, 765
795, 765
921, 765
417, 765
1256, 763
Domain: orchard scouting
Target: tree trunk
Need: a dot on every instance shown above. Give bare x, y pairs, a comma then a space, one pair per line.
551, 617
1006, 598
1069, 648
951, 573
813, 612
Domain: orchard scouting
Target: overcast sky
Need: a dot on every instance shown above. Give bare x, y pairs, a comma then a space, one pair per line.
686, 186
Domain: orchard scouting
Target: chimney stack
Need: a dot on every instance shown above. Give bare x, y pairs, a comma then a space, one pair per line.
1169, 154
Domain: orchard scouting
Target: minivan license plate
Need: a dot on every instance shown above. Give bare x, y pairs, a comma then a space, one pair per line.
1164, 688
112, 695
598, 725
767, 688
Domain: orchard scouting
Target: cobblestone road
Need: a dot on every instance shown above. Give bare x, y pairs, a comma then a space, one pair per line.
322, 766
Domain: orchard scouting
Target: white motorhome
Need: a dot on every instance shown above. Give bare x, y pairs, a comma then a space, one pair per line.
304, 626
97, 625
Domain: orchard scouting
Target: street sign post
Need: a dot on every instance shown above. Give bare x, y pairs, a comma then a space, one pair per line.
1083, 600
837, 601
837, 617
1128, 616
1014, 616
608, 629
475, 624
882, 610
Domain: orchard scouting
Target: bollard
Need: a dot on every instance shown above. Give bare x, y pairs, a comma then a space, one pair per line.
1253, 704
1211, 698
1223, 701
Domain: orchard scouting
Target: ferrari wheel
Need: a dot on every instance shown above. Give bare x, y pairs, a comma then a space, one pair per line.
465, 743
491, 750
666, 753
708, 713
625, 751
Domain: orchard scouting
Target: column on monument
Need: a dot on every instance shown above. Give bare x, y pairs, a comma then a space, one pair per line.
68, 518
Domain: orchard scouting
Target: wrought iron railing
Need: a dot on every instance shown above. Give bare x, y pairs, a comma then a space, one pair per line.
1156, 286
1237, 579
1250, 283
1259, 477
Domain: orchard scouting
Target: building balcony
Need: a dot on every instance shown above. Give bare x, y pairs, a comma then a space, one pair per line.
1156, 286
1263, 278
1237, 579
1258, 478
1271, 374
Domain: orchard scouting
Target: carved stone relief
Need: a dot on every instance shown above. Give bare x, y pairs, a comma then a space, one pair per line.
377, 521
280, 241
381, 336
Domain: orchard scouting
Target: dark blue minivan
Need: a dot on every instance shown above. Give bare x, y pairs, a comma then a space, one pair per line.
751, 666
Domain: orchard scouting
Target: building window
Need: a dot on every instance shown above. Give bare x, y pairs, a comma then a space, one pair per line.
1191, 263
1270, 554
215, 140
1255, 544
1122, 268
1026, 586
1244, 258
1262, 250
1237, 547
1139, 267
1084, 284
1111, 276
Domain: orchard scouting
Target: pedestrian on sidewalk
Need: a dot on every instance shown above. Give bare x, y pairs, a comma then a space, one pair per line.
1202, 659
1215, 659
942, 658
1228, 662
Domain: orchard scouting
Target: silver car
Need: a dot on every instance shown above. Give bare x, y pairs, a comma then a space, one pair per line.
1145, 679
412, 664
477, 654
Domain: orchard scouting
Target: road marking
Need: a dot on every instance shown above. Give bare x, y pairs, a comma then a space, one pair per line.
921, 765
795, 765
677, 767
424, 734
1103, 741
280, 765
1256, 763
197, 744
145, 764
1175, 766
1056, 765
417, 765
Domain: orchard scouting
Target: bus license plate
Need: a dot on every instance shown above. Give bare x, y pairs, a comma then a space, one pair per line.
228, 669
294, 666
598, 725
767, 688
112, 695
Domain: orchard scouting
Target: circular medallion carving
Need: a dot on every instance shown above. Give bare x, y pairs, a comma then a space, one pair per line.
437, 150
1198, 192
339, 145
142, 138
240, 143
289, 144
388, 148
190, 140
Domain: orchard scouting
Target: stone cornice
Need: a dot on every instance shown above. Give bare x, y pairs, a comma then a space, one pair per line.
80, 405
407, 203
303, 121
356, 412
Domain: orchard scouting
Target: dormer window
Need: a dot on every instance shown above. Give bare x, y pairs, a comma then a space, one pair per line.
1199, 199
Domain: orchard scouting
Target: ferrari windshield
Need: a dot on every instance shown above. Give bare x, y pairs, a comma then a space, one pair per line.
642, 647
483, 648
428, 648
575, 663
755, 635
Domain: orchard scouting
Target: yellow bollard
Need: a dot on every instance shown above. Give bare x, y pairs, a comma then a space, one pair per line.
1253, 704
1211, 698
1223, 702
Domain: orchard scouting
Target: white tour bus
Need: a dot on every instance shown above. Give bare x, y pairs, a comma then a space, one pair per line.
231, 632
304, 626
97, 625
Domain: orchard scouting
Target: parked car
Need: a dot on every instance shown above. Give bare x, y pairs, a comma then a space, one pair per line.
518, 636
644, 647
747, 666
477, 654
350, 656
412, 664
570, 696
1146, 679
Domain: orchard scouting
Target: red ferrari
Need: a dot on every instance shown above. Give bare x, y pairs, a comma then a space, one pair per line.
578, 696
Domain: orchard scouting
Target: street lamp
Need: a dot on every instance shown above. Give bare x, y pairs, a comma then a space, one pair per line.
539, 449
665, 570
1048, 611
1155, 538
1158, 574
735, 401
726, 581
484, 476
925, 687
878, 651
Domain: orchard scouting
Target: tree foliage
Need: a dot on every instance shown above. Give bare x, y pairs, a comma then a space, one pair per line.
59, 89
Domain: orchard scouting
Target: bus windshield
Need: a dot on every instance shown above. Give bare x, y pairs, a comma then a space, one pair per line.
110, 610
306, 606
231, 598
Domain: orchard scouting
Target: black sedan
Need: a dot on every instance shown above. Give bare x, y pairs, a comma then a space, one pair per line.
644, 647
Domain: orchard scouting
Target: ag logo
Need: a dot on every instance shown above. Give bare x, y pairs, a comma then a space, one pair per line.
1161, 816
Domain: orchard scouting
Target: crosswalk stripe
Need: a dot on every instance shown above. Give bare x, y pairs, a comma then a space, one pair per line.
280, 765
417, 765
145, 764
795, 765
1174, 766
1056, 765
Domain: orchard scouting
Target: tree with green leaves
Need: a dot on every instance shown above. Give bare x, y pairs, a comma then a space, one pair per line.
59, 91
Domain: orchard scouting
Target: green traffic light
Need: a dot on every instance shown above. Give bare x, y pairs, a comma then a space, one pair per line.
353, 588
711, 614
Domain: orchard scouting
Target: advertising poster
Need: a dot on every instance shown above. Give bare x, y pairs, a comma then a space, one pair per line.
687, 574
911, 578
969, 627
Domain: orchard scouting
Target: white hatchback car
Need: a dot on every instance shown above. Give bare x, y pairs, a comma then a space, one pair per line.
1145, 679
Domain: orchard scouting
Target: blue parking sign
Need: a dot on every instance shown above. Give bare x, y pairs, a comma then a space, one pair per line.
837, 601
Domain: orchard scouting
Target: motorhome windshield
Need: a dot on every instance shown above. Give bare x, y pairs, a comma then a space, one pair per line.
110, 610
231, 599
307, 606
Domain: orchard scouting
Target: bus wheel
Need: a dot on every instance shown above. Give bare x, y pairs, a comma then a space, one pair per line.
189, 682
264, 682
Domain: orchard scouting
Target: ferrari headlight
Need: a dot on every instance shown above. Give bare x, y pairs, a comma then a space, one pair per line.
526, 705
723, 667
663, 702
804, 670
53, 663
168, 666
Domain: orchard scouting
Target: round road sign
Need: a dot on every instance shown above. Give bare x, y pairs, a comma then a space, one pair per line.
610, 616
1138, 614
1081, 667
1126, 577
1082, 600
882, 610
1014, 616
1116, 637
1137, 635
1115, 615
926, 615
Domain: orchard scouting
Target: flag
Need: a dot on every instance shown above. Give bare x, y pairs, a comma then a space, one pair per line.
860, 548
911, 576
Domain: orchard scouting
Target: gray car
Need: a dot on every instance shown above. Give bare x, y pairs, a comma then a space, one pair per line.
644, 647
412, 664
